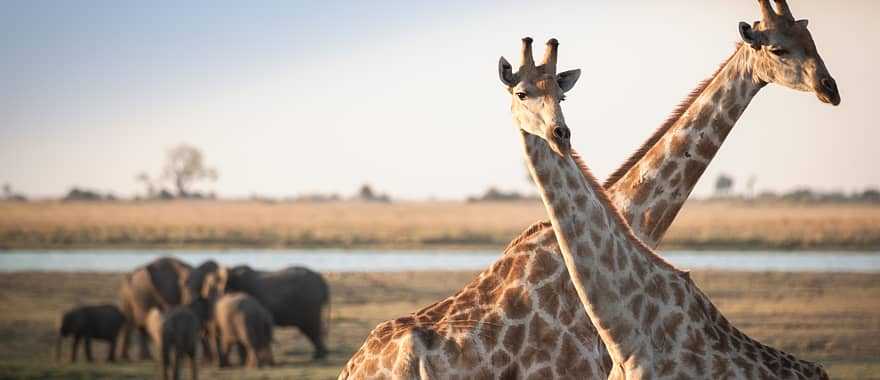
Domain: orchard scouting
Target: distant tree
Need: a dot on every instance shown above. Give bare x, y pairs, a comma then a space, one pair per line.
768, 195
366, 193
870, 195
184, 166
164, 194
316, 198
723, 185
800, 195
9, 194
77, 194
148, 183
493, 194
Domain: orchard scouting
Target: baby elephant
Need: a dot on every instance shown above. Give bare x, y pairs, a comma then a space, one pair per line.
178, 332
102, 322
241, 320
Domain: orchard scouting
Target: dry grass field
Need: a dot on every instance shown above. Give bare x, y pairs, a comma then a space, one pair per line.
830, 318
218, 224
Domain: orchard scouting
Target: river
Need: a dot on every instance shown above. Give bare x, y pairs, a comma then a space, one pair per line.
338, 260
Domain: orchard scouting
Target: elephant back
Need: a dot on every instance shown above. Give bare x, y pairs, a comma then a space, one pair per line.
302, 284
107, 320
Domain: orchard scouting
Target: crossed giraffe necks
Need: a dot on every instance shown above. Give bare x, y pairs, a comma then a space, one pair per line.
654, 321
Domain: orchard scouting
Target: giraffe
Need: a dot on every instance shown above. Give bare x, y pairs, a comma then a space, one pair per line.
535, 253
653, 184
516, 341
654, 320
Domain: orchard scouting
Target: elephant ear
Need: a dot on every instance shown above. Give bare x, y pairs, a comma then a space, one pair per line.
166, 281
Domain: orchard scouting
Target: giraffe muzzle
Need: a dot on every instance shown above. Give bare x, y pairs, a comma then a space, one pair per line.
828, 92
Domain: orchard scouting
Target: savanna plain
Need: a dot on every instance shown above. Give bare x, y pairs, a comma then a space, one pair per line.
736, 225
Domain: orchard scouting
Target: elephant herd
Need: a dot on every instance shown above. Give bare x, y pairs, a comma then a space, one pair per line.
179, 308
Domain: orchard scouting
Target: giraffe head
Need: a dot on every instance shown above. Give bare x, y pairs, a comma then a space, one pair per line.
536, 92
786, 54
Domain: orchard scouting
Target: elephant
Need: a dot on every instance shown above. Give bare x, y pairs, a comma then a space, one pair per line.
295, 296
163, 283
102, 322
178, 331
241, 320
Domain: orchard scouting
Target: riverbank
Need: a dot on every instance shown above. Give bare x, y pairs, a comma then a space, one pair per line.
408, 225
831, 318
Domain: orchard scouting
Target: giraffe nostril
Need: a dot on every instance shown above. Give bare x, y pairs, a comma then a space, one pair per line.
829, 85
561, 132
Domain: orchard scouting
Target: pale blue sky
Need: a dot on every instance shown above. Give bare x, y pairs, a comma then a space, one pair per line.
294, 97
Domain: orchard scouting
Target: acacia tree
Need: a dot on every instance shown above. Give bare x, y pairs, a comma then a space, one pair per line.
185, 165
723, 185
145, 179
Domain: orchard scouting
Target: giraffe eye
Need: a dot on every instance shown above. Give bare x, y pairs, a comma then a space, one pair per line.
521, 95
779, 51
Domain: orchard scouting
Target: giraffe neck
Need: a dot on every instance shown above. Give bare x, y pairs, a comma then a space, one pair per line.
652, 190
598, 248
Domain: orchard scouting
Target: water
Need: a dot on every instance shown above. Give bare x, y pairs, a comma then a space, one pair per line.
330, 260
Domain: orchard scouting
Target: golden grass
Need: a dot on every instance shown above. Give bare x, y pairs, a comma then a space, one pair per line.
830, 318
196, 224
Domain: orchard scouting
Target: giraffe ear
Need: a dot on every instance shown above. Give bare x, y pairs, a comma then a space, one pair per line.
750, 35
567, 79
505, 72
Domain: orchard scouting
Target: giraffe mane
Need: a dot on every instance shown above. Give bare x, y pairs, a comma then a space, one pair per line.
602, 194
533, 229
670, 120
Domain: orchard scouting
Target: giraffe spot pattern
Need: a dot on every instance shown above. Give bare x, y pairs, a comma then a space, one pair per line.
516, 303
513, 338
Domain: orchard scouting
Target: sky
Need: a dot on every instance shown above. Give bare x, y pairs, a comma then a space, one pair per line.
288, 98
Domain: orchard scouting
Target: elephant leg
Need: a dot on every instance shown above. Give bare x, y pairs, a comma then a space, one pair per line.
124, 338
165, 361
111, 353
312, 330
242, 353
193, 366
178, 358
145, 347
226, 346
214, 343
251, 357
74, 348
88, 347
206, 349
